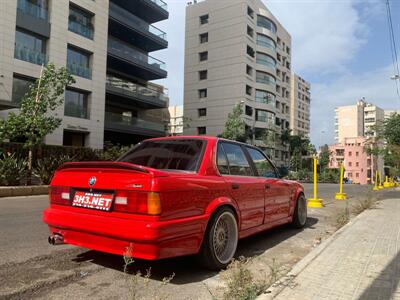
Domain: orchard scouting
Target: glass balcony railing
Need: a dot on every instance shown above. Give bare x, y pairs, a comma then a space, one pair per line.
161, 4
76, 111
33, 10
133, 89
130, 53
120, 120
80, 29
79, 70
132, 20
26, 54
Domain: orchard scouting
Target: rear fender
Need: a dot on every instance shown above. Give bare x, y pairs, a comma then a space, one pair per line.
298, 189
222, 201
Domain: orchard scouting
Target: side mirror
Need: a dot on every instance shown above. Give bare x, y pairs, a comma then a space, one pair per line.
283, 172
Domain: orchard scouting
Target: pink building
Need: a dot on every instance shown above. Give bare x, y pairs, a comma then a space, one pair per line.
358, 165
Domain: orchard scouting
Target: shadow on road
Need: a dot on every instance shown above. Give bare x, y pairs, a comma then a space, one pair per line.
186, 269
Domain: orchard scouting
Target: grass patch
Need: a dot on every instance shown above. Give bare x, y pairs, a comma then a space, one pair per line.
343, 217
362, 205
240, 283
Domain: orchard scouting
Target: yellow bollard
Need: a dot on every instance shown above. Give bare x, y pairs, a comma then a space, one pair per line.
380, 181
341, 195
386, 184
315, 202
376, 187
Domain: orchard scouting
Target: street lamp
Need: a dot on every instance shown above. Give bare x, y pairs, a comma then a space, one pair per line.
395, 77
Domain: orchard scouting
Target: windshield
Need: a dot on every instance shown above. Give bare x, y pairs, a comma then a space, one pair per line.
182, 155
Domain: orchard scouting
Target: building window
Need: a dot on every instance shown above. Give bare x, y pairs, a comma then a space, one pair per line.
203, 93
266, 23
204, 19
203, 56
34, 8
203, 38
203, 75
350, 164
76, 104
80, 22
250, 31
30, 47
350, 175
250, 12
21, 86
265, 116
202, 112
78, 62
249, 70
265, 41
262, 77
249, 110
265, 97
357, 164
357, 175
201, 130
266, 60
250, 51
350, 153
249, 90
357, 153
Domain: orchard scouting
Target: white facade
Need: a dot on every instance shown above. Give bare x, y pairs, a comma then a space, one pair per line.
300, 106
176, 120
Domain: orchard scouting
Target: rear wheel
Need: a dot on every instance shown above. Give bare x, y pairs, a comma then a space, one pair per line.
220, 240
300, 212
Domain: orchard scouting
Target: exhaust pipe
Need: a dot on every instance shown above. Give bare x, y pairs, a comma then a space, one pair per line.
56, 239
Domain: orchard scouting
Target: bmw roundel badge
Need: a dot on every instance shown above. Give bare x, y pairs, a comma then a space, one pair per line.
92, 180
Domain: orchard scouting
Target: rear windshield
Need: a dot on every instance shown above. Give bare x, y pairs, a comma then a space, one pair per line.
182, 155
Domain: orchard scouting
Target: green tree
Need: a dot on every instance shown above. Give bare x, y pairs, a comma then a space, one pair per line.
235, 127
34, 120
391, 131
324, 157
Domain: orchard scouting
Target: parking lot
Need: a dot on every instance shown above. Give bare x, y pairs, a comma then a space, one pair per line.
30, 268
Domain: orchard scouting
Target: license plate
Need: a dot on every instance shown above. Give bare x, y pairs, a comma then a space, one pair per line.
93, 200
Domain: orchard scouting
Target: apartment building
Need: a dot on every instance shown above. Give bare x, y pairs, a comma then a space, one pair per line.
176, 122
373, 116
300, 99
359, 166
237, 52
105, 45
349, 121
389, 113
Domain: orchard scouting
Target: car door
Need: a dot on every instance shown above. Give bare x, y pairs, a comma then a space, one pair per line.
277, 193
246, 189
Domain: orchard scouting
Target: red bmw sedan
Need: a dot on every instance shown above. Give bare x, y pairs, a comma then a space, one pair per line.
170, 197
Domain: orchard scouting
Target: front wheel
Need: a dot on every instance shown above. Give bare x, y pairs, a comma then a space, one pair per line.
300, 212
220, 240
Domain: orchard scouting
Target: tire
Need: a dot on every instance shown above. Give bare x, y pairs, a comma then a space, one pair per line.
300, 212
220, 240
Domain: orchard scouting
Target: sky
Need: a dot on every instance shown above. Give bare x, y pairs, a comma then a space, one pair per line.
341, 47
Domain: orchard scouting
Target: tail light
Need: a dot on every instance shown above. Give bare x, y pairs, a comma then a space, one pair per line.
60, 195
138, 202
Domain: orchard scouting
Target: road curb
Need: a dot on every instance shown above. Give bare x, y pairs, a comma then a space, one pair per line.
15, 191
287, 280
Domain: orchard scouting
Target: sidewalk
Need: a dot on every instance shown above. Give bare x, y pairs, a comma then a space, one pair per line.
362, 261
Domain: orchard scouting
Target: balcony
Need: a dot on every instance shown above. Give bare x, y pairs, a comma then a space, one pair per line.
30, 55
150, 11
129, 92
80, 29
79, 70
128, 27
33, 10
128, 60
33, 18
127, 124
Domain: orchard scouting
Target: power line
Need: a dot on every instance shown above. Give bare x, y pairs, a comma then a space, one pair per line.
393, 47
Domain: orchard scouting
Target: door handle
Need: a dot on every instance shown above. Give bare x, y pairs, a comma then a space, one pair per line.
267, 186
235, 186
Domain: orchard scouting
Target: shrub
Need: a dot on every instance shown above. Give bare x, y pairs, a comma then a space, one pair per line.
13, 169
45, 167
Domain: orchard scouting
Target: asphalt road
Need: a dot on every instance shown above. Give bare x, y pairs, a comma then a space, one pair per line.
30, 267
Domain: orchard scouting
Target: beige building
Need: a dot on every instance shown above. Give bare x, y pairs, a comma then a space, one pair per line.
373, 115
176, 122
390, 113
237, 52
300, 106
105, 45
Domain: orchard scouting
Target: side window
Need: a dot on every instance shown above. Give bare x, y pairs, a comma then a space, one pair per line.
222, 163
238, 164
263, 166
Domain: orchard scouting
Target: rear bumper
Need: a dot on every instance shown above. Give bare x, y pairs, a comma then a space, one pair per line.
150, 240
